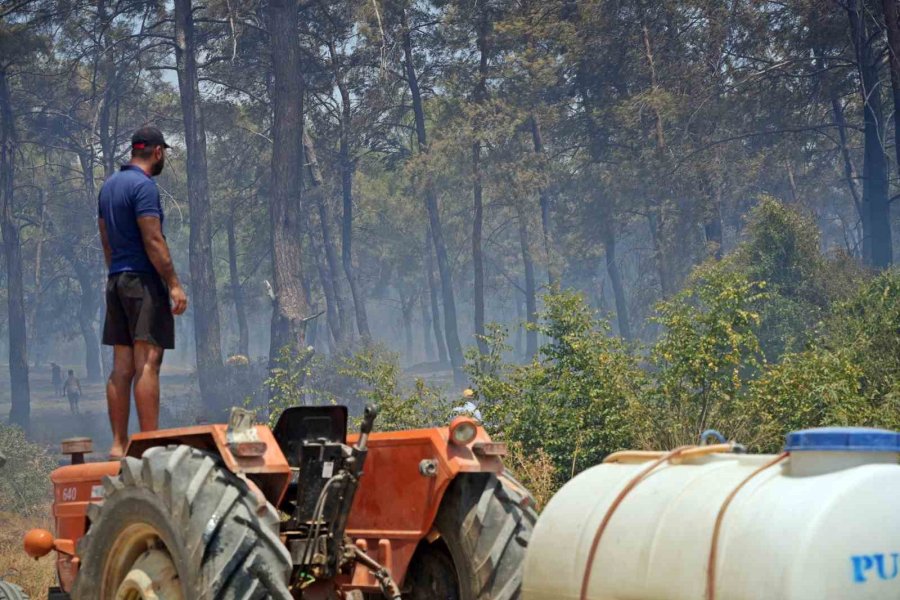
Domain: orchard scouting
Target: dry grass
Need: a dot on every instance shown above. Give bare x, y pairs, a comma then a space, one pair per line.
534, 471
35, 577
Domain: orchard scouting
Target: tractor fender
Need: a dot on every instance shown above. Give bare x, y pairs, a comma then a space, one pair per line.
405, 478
270, 471
79, 485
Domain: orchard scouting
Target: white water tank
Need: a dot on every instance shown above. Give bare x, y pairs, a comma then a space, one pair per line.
823, 524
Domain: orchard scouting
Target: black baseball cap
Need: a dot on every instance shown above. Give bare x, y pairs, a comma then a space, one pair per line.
148, 137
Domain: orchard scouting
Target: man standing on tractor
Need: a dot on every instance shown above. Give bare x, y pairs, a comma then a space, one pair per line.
143, 290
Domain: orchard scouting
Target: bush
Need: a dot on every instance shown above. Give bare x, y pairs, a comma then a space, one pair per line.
815, 388
372, 376
867, 328
702, 361
781, 249
25, 487
574, 401
379, 372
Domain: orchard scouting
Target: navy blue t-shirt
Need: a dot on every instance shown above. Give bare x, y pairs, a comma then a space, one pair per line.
124, 197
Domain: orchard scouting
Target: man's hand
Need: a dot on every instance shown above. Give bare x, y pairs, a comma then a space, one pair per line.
179, 300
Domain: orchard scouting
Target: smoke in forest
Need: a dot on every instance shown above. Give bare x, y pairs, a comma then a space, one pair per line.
404, 174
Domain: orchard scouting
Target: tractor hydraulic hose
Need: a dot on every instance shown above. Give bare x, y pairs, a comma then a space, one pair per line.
389, 587
315, 526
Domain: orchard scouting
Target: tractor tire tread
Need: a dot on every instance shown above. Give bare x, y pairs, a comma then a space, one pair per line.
229, 536
488, 521
10, 591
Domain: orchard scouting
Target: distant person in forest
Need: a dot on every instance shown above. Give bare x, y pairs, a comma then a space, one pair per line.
56, 376
143, 290
72, 390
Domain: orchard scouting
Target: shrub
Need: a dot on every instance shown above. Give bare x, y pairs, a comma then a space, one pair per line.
781, 249
25, 479
573, 401
702, 361
371, 376
810, 389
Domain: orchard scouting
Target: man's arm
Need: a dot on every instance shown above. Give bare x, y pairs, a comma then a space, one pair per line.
104, 240
158, 252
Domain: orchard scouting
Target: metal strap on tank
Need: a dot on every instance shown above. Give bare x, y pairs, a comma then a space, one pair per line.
714, 546
633, 483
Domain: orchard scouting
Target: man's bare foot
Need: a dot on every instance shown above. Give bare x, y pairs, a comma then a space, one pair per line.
117, 452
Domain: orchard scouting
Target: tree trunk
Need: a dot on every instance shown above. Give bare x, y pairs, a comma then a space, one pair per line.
289, 307
237, 290
520, 318
480, 95
849, 170
530, 293
427, 341
207, 336
654, 225
434, 216
712, 229
537, 138
312, 325
477, 253
656, 214
105, 133
325, 279
892, 22
608, 233
20, 393
407, 304
92, 285
87, 312
432, 291
38, 283
347, 168
877, 243
333, 269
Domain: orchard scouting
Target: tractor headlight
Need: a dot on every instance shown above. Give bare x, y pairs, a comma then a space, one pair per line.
463, 430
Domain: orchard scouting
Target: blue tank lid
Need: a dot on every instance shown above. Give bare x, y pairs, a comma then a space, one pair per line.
843, 439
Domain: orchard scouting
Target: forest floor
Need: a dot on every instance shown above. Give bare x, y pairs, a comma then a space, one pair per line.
34, 576
52, 421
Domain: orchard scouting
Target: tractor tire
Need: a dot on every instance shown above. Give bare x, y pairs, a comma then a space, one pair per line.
10, 591
177, 525
485, 522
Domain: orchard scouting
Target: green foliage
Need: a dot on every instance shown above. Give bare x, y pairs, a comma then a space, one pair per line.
703, 358
25, 479
867, 327
809, 389
587, 393
379, 372
573, 400
781, 249
286, 382
371, 376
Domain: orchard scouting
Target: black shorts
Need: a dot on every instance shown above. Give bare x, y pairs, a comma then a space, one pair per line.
138, 310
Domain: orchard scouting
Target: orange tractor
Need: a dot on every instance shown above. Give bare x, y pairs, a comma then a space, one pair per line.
242, 511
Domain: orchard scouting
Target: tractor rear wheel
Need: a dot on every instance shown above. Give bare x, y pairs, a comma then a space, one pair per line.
9, 591
484, 523
177, 525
